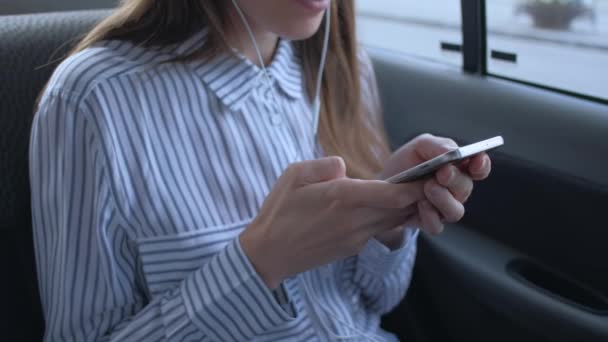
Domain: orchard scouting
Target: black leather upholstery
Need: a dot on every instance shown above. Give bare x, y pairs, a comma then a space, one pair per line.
30, 48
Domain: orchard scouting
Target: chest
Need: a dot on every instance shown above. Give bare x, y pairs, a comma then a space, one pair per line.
192, 163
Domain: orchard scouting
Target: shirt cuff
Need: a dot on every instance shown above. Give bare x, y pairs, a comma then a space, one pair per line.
378, 259
228, 300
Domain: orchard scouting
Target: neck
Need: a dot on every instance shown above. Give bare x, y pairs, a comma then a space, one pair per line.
239, 38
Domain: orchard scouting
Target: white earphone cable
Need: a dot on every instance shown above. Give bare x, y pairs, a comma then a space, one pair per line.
255, 44
317, 101
316, 113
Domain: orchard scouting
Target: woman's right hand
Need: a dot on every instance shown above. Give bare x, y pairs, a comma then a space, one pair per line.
315, 215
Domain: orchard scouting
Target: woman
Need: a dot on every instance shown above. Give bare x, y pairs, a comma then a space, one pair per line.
179, 194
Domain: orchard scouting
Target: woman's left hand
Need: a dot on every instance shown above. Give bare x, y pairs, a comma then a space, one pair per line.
446, 192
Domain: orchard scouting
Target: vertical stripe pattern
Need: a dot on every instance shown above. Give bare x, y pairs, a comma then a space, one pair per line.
143, 174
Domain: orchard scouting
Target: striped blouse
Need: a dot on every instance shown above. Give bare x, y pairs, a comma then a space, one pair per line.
144, 173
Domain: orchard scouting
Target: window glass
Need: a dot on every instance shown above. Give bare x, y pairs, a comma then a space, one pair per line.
34, 6
557, 43
414, 27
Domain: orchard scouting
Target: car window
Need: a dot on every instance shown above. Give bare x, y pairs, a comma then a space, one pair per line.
555, 43
429, 29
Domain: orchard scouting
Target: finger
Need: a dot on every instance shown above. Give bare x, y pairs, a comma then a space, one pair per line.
480, 167
459, 183
442, 199
429, 218
464, 165
381, 218
375, 194
428, 146
392, 218
381, 214
413, 221
319, 170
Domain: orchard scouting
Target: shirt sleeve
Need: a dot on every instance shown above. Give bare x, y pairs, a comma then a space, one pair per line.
88, 269
383, 276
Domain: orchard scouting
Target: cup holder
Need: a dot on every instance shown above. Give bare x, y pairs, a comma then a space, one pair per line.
558, 286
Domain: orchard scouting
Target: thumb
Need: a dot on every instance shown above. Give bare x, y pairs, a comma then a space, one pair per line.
430, 147
319, 170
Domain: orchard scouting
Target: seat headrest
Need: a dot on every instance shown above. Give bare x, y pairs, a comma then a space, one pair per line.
31, 46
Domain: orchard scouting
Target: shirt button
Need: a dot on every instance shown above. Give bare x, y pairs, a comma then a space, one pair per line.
276, 119
268, 94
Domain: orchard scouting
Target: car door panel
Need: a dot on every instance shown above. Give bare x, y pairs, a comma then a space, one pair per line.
541, 209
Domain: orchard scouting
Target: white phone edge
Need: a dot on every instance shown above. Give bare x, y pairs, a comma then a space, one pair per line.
448, 157
478, 147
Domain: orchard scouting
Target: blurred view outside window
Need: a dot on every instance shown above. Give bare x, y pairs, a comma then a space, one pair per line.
414, 27
557, 43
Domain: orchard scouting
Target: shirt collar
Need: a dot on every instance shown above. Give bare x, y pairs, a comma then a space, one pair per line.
232, 77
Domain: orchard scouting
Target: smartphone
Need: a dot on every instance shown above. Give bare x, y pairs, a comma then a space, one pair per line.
430, 166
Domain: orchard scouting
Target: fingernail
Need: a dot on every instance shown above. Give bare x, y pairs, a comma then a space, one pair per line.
438, 231
436, 190
450, 175
484, 164
450, 146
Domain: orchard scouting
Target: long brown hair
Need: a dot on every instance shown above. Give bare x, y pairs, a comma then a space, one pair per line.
345, 128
